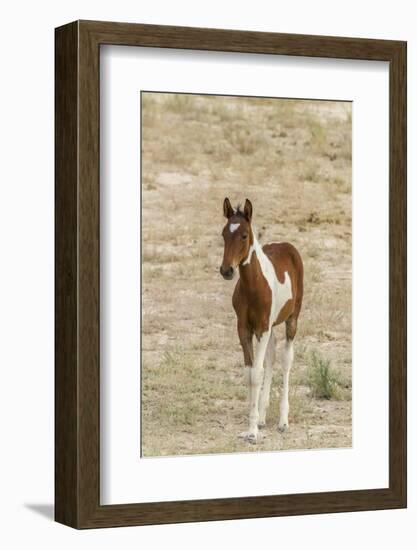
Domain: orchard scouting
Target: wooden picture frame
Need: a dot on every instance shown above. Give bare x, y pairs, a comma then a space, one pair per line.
77, 358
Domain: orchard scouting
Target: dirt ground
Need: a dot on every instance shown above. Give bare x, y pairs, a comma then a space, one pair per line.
292, 159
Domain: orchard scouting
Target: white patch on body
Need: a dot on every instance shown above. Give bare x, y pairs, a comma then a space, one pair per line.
281, 292
233, 227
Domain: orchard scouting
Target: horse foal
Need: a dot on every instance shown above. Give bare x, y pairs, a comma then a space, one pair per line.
269, 292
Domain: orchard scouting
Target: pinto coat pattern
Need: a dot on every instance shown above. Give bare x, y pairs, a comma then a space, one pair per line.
269, 292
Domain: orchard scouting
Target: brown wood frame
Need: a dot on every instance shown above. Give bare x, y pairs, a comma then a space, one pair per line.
77, 347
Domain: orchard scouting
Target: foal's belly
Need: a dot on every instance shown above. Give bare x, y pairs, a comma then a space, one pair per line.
285, 312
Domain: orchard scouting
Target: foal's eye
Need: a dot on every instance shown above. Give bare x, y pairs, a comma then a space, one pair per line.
244, 236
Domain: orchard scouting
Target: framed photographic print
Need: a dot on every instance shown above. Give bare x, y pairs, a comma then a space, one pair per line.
230, 274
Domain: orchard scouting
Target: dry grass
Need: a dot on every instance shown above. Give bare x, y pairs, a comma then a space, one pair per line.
293, 160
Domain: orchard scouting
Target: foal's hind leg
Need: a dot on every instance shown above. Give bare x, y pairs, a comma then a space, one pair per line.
266, 388
288, 356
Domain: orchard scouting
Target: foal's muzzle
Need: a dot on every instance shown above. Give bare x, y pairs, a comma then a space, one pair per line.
227, 272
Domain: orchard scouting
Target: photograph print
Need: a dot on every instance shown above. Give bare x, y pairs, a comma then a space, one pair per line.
246, 274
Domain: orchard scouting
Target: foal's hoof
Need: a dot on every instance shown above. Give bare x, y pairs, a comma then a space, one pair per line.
283, 427
250, 437
261, 424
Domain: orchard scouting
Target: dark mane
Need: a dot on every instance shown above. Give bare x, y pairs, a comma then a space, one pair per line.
238, 212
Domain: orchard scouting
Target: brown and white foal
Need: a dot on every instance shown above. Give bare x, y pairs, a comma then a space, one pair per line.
269, 291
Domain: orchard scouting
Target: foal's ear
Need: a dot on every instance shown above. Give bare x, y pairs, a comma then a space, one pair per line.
248, 210
227, 208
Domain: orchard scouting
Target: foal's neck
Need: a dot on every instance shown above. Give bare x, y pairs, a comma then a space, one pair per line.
250, 269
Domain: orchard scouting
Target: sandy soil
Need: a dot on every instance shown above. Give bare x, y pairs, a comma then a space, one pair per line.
293, 160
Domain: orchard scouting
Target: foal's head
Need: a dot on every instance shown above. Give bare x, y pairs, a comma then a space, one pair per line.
238, 237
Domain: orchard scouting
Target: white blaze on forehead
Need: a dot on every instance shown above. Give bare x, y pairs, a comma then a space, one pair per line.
233, 227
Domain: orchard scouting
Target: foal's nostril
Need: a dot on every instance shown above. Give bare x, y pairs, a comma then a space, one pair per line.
227, 273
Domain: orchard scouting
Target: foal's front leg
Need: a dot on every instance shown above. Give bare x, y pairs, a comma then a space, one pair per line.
255, 383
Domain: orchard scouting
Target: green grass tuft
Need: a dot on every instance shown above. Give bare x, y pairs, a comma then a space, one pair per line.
323, 380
